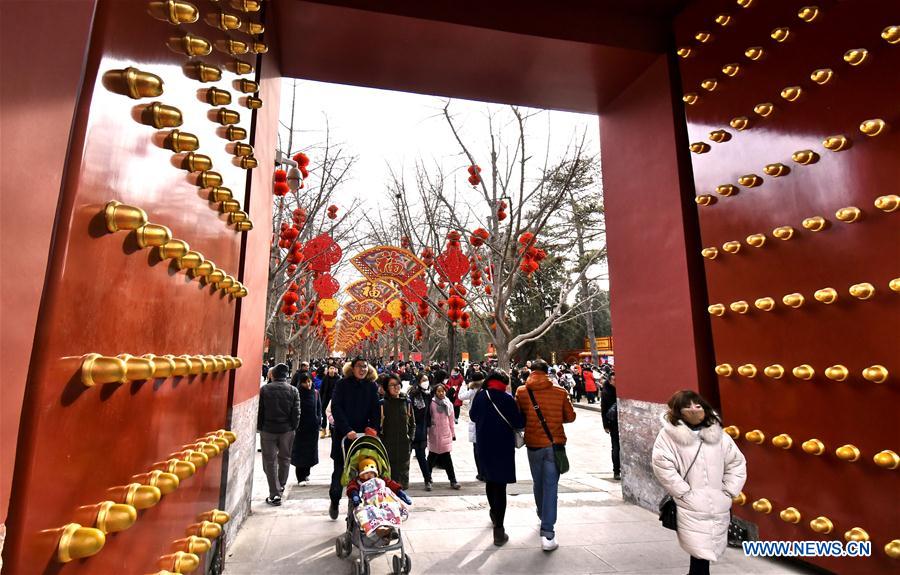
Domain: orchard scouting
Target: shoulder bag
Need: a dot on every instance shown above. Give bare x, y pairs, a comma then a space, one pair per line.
559, 451
668, 512
517, 433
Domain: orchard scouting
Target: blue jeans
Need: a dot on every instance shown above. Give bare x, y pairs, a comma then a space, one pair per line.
546, 483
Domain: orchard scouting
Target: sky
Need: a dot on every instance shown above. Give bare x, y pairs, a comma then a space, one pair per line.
385, 128
392, 130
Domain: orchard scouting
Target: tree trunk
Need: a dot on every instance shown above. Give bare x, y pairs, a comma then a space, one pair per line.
585, 293
451, 345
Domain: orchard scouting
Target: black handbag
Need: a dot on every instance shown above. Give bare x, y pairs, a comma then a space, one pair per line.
559, 451
668, 511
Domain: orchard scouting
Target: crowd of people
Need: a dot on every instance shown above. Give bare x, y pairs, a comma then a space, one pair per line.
415, 411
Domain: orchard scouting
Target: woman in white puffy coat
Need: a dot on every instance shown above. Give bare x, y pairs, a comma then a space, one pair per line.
704, 497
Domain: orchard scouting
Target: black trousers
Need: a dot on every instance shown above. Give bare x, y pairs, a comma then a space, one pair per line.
334, 492
444, 461
496, 496
699, 566
456, 409
302, 473
477, 461
422, 458
614, 437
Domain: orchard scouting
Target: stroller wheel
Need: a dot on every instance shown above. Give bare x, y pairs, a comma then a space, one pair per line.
342, 546
407, 563
397, 565
360, 567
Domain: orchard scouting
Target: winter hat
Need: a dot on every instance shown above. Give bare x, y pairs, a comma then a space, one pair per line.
499, 376
368, 464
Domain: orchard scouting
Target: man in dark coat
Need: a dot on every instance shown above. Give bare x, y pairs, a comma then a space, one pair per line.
276, 420
609, 407
496, 415
305, 453
326, 390
355, 407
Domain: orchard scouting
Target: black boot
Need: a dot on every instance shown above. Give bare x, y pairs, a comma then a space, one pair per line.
500, 536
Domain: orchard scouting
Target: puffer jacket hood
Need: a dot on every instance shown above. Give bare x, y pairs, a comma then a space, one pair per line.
682, 434
538, 380
371, 375
703, 492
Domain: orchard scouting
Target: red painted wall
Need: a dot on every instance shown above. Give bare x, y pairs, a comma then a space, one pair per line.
77, 444
652, 240
850, 332
37, 103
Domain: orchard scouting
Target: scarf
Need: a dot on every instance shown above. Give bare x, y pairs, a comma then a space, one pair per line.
444, 406
496, 385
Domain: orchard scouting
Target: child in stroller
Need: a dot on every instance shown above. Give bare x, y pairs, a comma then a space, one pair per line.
377, 507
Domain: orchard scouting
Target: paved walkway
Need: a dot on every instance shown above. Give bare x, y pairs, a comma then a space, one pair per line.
450, 532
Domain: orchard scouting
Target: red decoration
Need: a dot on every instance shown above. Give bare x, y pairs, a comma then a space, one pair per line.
280, 176
473, 170
301, 159
326, 286
281, 189
475, 179
415, 290
526, 238
304, 172
332, 211
322, 252
290, 298
452, 265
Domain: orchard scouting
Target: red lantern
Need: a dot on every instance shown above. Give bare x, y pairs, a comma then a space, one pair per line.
290, 298
301, 159
281, 189
280, 176
526, 238
473, 170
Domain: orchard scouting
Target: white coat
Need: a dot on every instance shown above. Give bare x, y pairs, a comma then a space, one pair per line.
704, 497
466, 395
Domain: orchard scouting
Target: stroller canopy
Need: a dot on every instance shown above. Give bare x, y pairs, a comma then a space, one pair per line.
365, 446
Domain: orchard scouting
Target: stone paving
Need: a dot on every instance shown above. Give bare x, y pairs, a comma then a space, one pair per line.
450, 531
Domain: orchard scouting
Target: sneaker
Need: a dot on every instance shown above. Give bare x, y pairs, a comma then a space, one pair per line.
274, 501
455, 485
333, 510
617, 476
428, 486
549, 544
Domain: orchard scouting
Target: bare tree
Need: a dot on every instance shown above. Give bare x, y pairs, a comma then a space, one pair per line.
515, 206
305, 212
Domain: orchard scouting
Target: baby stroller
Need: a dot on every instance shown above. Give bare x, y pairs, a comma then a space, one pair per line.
366, 446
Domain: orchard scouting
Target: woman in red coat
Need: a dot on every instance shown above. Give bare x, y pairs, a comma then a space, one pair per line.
590, 384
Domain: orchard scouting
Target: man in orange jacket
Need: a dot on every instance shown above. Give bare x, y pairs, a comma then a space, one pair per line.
539, 393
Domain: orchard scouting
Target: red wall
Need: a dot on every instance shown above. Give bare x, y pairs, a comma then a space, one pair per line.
655, 289
851, 332
43, 45
77, 444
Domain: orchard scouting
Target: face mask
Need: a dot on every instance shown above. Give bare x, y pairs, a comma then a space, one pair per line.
423, 385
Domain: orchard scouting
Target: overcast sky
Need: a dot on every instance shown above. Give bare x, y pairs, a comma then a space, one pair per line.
385, 128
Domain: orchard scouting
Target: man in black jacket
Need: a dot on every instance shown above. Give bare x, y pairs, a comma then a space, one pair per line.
326, 391
354, 406
276, 421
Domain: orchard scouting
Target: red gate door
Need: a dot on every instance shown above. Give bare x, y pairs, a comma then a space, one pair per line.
119, 463
790, 107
